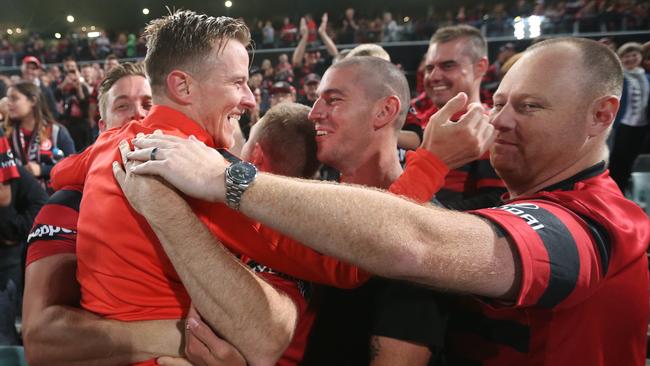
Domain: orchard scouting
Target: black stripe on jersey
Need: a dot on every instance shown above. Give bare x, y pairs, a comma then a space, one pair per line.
497, 331
601, 241
66, 197
484, 170
564, 260
46, 232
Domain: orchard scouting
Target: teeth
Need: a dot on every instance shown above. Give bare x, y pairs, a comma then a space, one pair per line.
236, 117
438, 88
321, 133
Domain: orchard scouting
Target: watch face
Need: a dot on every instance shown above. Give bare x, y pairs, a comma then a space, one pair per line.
243, 172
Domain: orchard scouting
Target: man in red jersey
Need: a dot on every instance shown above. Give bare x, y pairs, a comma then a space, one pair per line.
455, 62
138, 281
547, 269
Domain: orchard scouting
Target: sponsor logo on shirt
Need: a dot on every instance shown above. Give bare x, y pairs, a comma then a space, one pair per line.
47, 232
523, 210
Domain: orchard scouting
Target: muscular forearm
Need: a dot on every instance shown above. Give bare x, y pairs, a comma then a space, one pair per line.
385, 234
299, 51
56, 332
63, 335
230, 297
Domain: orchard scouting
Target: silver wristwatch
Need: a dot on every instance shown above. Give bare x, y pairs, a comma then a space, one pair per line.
239, 177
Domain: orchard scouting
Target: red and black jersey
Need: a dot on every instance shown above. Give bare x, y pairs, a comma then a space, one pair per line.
584, 281
55, 226
474, 179
8, 169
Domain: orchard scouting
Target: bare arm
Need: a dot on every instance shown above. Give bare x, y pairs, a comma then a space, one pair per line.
391, 237
408, 140
208, 271
5, 194
57, 332
330, 46
299, 51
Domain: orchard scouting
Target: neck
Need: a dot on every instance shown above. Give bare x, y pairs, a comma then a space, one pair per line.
519, 189
186, 109
379, 169
28, 122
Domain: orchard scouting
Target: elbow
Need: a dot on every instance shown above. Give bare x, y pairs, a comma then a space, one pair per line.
280, 335
31, 347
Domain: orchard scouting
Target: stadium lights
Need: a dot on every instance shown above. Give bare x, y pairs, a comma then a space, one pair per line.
57, 35
92, 27
10, 31
94, 34
145, 11
406, 19
18, 30
228, 4
70, 19
83, 29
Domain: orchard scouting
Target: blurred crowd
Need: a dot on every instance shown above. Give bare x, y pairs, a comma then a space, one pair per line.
499, 19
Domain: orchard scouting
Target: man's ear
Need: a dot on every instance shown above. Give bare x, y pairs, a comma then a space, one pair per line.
101, 125
602, 114
481, 67
257, 156
179, 87
387, 111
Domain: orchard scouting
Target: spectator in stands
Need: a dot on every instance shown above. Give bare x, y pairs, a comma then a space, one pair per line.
308, 60
74, 95
37, 141
268, 35
646, 57
288, 33
110, 62
30, 71
349, 28
632, 122
21, 197
390, 28
282, 92
309, 92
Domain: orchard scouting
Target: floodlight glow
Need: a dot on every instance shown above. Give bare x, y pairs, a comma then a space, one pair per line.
70, 19
57, 35
228, 4
145, 11
520, 32
94, 34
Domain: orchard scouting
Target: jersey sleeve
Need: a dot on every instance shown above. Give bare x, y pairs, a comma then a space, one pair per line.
423, 176
8, 169
55, 227
559, 256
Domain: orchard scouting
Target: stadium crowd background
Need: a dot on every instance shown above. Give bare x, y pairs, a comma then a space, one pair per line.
70, 67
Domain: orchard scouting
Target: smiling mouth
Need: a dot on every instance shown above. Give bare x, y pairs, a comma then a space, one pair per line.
322, 133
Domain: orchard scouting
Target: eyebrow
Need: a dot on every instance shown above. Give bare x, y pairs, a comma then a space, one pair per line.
125, 96
332, 91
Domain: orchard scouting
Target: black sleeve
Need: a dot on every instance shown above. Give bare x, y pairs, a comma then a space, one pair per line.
414, 128
27, 199
411, 313
488, 197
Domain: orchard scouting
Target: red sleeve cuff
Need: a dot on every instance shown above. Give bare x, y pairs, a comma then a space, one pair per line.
43, 249
423, 176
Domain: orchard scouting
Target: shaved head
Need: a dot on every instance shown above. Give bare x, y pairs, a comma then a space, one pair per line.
391, 82
602, 72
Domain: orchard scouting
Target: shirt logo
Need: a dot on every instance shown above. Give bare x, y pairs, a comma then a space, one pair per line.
523, 210
45, 231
